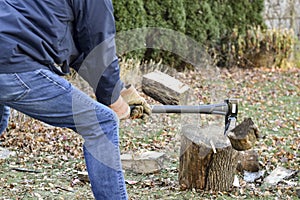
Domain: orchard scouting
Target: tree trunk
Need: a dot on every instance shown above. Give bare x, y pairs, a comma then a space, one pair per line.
207, 160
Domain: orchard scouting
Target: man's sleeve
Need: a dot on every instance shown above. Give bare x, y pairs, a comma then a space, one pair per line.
94, 35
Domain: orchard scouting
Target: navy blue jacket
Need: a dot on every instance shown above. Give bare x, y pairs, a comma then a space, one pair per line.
58, 34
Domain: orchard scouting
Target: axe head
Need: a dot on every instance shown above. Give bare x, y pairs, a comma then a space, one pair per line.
231, 116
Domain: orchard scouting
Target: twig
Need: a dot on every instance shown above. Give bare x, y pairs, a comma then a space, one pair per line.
26, 170
61, 188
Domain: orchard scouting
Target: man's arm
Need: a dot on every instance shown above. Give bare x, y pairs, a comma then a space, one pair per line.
94, 35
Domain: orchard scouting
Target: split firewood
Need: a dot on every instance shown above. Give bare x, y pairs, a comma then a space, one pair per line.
164, 88
244, 136
248, 161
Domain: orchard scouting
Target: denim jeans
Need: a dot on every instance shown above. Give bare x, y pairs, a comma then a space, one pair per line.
45, 96
4, 116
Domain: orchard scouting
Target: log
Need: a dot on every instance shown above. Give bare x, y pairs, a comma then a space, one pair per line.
207, 159
244, 136
146, 162
164, 88
248, 161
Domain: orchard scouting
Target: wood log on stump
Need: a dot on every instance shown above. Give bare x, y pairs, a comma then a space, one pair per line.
164, 88
244, 136
207, 159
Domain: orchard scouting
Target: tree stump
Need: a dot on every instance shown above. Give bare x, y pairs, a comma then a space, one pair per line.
207, 159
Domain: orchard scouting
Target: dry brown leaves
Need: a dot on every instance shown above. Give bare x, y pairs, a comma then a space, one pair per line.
270, 97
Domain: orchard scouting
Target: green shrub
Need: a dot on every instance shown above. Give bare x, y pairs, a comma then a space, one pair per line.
210, 24
244, 13
164, 18
201, 23
130, 16
213, 22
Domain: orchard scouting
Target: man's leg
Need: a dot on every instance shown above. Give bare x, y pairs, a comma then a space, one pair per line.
4, 117
51, 99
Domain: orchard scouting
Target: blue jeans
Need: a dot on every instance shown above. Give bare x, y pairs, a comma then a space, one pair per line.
4, 116
45, 96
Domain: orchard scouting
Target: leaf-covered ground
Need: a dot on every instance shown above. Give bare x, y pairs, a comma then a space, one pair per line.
46, 159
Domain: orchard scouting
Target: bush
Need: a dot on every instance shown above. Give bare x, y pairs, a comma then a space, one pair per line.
259, 48
231, 16
163, 17
130, 15
201, 23
209, 23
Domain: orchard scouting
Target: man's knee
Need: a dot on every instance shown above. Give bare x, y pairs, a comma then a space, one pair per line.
100, 123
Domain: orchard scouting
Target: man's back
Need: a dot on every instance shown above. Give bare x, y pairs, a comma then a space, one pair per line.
34, 33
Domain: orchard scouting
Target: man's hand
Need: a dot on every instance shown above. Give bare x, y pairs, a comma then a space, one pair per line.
121, 108
141, 108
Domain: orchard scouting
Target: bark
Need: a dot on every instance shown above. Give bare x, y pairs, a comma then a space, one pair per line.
164, 88
207, 160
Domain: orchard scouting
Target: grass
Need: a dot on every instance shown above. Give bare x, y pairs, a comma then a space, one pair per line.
270, 97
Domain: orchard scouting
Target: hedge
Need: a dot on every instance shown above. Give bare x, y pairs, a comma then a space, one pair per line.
207, 22
130, 15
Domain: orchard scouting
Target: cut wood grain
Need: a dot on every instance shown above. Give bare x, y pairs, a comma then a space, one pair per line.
164, 88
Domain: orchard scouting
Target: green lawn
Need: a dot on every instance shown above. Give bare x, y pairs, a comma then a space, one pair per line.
270, 98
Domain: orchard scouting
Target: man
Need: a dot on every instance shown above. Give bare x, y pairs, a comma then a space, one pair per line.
39, 41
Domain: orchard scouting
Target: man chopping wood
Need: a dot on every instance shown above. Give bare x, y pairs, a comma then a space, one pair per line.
39, 42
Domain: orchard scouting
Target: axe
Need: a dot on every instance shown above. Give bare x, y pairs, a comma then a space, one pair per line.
242, 137
229, 109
